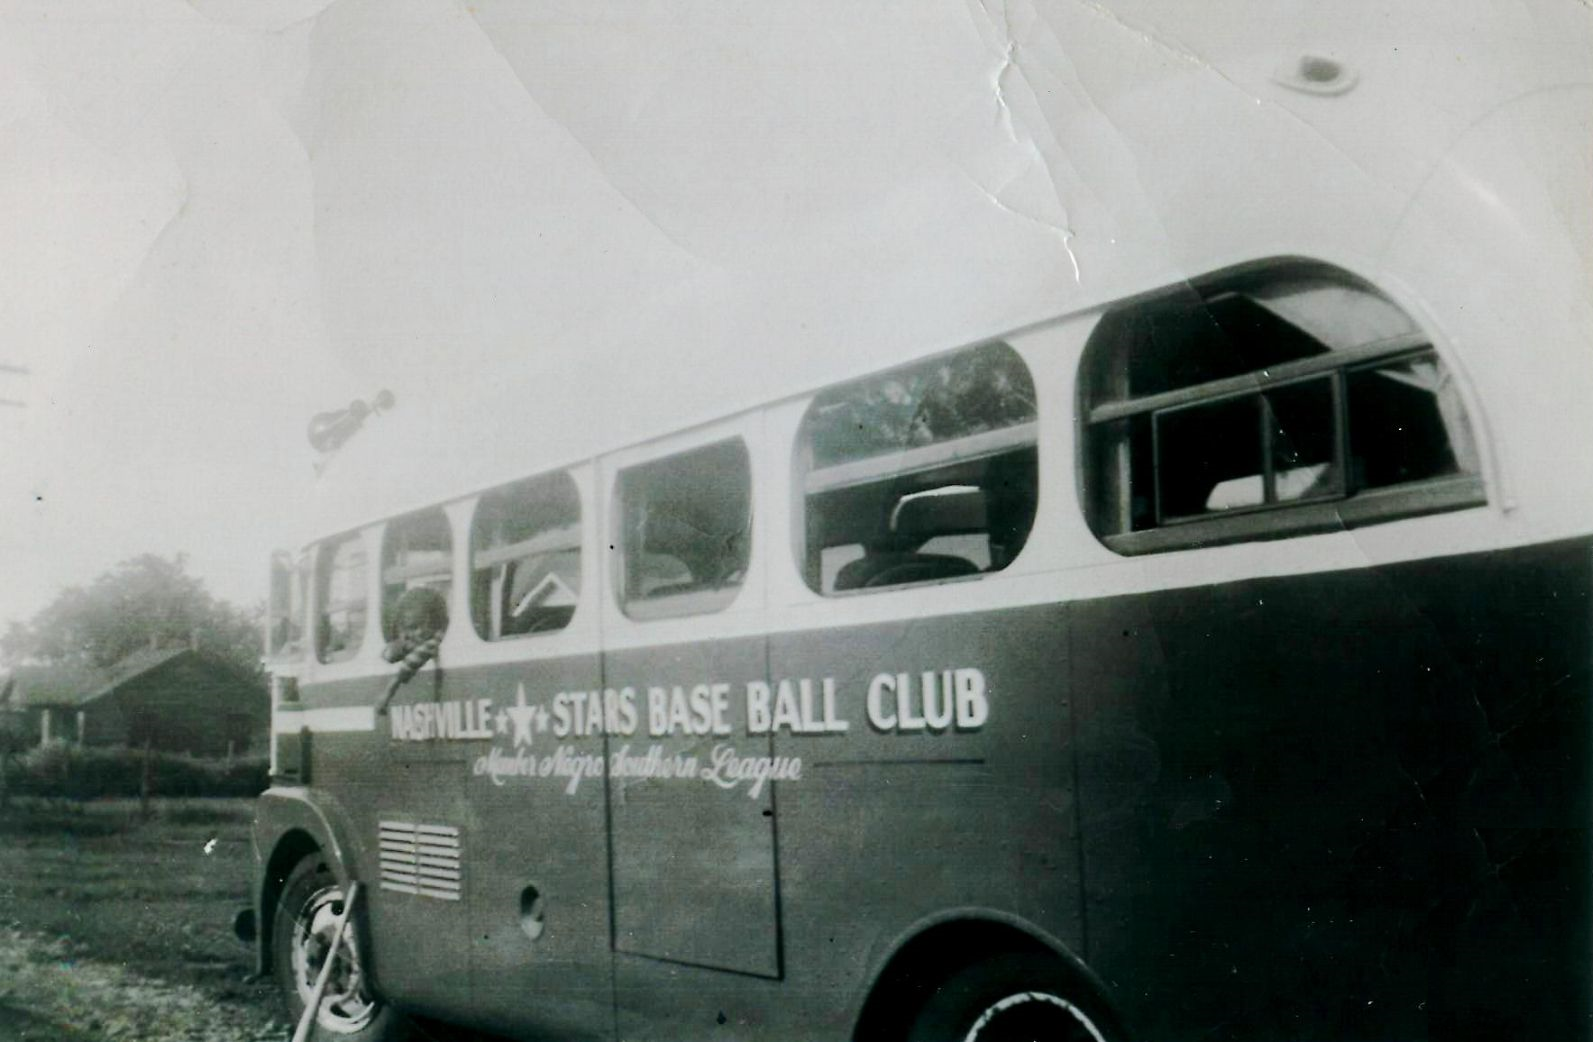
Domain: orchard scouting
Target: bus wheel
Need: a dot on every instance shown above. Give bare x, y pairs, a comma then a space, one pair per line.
1011, 998
312, 901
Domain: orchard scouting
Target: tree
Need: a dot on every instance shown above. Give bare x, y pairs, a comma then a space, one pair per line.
144, 601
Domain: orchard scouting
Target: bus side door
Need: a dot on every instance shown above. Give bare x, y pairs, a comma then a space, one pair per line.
692, 838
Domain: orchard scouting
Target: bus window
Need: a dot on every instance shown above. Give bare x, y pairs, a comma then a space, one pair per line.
687, 535
921, 474
285, 616
416, 552
341, 596
525, 558
1401, 416
1270, 404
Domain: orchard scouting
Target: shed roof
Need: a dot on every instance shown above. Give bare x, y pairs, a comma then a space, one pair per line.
49, 685
129, 667
62, 685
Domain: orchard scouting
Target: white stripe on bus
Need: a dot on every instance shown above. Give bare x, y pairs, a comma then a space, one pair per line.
338, 718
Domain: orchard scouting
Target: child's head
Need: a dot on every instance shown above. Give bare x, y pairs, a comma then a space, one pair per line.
420, 614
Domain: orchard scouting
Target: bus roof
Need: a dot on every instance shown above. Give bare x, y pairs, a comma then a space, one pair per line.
842, 187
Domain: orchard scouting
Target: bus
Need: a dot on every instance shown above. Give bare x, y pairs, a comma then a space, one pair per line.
1190, 640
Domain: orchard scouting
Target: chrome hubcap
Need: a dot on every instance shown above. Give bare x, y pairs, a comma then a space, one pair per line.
346, 1004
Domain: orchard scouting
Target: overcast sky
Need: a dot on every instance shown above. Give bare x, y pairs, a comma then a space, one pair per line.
220, 217
158, 284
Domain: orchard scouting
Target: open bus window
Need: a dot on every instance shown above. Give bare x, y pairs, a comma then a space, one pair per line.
341, 596
687, 531
1247, 451
416, 552
1400, 416
1268, 404
922, 474
525, 558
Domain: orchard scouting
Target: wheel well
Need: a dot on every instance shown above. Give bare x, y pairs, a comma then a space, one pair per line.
927, 961
292, 848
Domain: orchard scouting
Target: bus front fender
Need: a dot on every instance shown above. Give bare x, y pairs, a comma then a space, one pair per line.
290, 823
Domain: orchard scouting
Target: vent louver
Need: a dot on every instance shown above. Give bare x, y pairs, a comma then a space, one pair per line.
420, 859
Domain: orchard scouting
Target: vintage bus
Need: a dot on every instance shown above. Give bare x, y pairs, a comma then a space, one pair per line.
1198, 648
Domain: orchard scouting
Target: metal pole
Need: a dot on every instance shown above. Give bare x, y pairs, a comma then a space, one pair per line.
312, 1007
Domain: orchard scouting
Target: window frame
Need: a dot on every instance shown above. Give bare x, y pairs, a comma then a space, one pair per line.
1264, 412
325, 551
991, 443
687, 603
571, 536
396, 575
291, 577
1348, 507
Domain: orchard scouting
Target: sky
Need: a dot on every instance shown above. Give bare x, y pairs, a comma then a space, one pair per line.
157, 284
221, 217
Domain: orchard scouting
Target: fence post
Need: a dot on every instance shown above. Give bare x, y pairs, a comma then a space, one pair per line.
146, 781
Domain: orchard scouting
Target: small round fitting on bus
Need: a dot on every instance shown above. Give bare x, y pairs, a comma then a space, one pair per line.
532, 913
1316, 74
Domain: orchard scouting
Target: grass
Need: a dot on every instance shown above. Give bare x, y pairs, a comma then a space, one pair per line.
157, 895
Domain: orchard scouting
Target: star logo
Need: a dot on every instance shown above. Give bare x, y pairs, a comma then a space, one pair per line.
502, 721
522, 715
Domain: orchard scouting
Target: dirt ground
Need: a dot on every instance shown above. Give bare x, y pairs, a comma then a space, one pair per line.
118, 929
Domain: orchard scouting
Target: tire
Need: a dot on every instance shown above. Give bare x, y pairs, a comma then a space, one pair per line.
1010, 998
302, 928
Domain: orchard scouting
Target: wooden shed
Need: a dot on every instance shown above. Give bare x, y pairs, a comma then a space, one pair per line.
172, 699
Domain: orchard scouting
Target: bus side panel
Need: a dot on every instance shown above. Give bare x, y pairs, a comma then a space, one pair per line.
420, 944
894, 826
1352, 805
540, 956
890, 830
